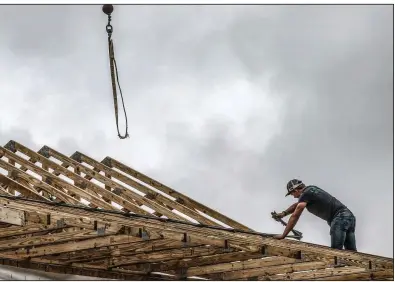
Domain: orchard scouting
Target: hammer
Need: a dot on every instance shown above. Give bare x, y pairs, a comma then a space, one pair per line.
295, 232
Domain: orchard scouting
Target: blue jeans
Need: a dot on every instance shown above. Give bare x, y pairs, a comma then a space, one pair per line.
343, 231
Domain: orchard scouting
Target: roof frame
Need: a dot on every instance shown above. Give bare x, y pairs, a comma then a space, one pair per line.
64, 220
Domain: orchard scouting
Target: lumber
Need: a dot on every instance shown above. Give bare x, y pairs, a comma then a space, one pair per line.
22, 187
251, 242
292, 267
157, 197
113, 252
76, 178
48, 239
80, 216
26, 230
62, 269
159, 256
36, 183
12, 216
66, 185
171, 192
121, 190
170, 266
76, 245
311, 275
239, 265
364, 275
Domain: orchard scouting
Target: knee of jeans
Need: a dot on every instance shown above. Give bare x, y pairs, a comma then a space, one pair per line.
337, 230
353, 225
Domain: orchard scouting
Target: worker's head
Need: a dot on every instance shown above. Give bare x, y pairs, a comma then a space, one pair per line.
295, 188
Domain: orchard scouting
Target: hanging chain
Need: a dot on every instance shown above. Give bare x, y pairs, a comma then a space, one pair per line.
107, 9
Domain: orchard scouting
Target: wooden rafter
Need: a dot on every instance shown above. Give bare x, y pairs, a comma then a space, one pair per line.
49, 227
171, 192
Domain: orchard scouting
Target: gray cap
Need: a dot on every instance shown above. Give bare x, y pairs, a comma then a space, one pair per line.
292, 185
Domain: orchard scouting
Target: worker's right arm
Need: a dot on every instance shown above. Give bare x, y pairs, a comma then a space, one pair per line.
291, 209
288, 211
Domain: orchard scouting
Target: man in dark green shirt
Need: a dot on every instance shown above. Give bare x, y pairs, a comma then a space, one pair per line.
320, 203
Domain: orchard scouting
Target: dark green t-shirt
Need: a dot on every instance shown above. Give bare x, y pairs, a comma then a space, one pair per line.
321, 203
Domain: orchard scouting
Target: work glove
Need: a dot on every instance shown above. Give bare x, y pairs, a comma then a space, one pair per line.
278, 215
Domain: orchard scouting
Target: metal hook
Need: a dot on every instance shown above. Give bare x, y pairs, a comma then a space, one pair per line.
109, 29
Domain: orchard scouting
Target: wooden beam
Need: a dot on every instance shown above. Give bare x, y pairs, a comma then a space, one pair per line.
157, 226
82, 193
110, 252
67, 220
165, 229
151, 246
12, 216
78, 171
84, 256
196, 261
25, 230
239, 265
12, 163
48, 218
121, 190
157, 197
48, 239
311, 275
3, 190
366, 275
154, 257
38, 184
192, 204
105, 240
45, 193
83, 182
75, 238
319, 251
22, 187
202, 235
145, 246
269, 270
62, 269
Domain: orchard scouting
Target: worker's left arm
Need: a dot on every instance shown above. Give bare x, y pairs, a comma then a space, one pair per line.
293, 220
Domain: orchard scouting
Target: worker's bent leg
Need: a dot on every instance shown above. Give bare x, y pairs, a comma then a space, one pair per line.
338, 235
342, 231
350, 243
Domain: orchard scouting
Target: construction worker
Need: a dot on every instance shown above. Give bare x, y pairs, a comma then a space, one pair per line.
320, 203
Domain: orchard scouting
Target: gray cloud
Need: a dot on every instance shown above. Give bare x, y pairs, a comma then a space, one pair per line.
225, 103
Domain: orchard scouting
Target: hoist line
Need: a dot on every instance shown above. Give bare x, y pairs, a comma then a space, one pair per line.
107, 9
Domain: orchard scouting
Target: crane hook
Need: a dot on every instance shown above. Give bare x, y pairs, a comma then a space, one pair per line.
108, 9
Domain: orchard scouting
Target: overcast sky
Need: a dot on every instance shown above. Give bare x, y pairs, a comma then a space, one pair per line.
225, 103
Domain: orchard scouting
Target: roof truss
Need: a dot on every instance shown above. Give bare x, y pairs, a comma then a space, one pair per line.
79, 216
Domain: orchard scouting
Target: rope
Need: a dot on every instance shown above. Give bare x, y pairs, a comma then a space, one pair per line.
115, 79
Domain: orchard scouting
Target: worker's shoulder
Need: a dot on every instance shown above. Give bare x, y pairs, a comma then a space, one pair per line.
313, 190
313, 187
